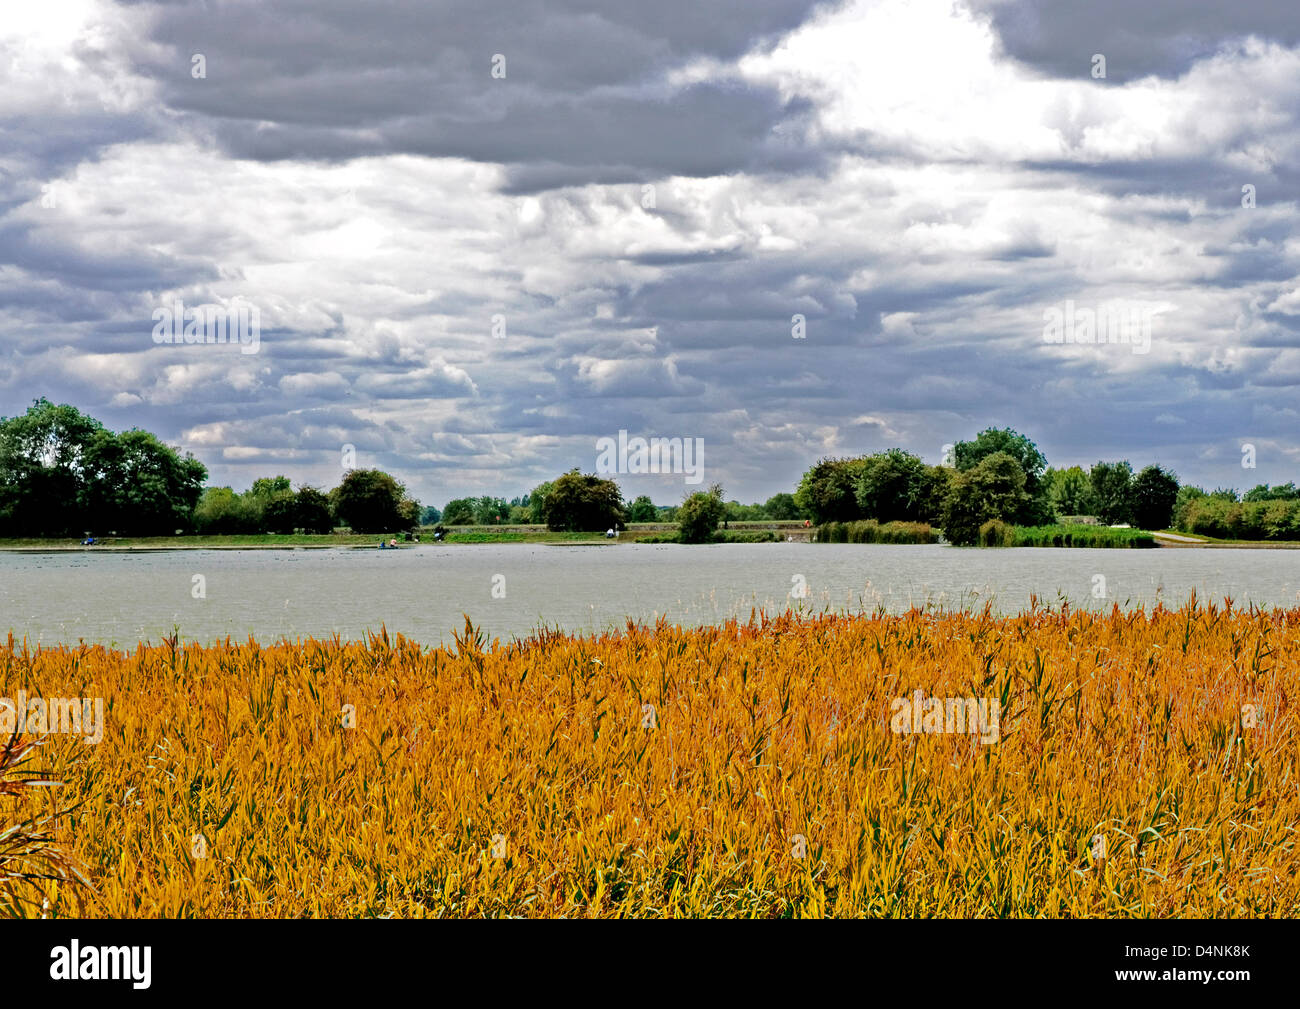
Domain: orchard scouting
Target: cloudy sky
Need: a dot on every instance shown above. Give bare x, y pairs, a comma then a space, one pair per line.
481, 235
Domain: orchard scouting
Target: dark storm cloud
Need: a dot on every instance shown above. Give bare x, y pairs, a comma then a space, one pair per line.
82, 271
583, 97
920, 259
1137, 37
1216, 179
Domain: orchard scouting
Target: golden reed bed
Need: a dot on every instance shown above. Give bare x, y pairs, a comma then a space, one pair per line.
533, 780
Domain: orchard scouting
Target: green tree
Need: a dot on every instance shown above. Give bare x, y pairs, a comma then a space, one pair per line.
584, 502
257, 500
312, 509
642, 510
137, 486
222, 512
490, 511
737, 512
1070, 491
885, 483
1037, 509
1282, 492
43, 479
1112, 484
1153, 496
928, 494
280, 513
537, 503
408, 513
431, 516
993, 489
459, 512
828, 491
699, 514
268, 486
370, 501
782, 508
1187, 496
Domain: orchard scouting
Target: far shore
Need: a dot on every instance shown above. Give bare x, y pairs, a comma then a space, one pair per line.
471, 535
456, 536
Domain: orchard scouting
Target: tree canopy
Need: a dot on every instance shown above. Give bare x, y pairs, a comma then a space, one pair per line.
372, 501
993, 489
1112, 491
1154, 493
584, 502
699, 514
1036, 508
828, 491
63, 473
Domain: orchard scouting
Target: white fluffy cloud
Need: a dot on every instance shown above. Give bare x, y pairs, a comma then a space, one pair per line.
472, 287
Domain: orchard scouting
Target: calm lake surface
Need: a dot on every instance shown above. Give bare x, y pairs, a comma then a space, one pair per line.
121, 598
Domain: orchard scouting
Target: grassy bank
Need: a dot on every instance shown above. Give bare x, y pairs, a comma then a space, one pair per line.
487, 534
252, 541
721, 536
609, 775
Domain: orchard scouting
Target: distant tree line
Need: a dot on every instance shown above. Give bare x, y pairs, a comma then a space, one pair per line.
1262, 513
365, 501
998, 476
63, 473
530, 509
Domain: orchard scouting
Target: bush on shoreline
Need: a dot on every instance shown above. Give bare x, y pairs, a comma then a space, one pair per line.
1240, 520
996, 533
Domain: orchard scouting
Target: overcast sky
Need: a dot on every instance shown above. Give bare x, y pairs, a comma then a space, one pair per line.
648, 194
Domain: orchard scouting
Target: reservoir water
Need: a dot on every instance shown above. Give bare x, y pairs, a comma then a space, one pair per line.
511, 589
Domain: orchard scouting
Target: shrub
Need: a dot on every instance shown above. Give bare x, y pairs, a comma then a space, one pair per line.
699, 515
996, 533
